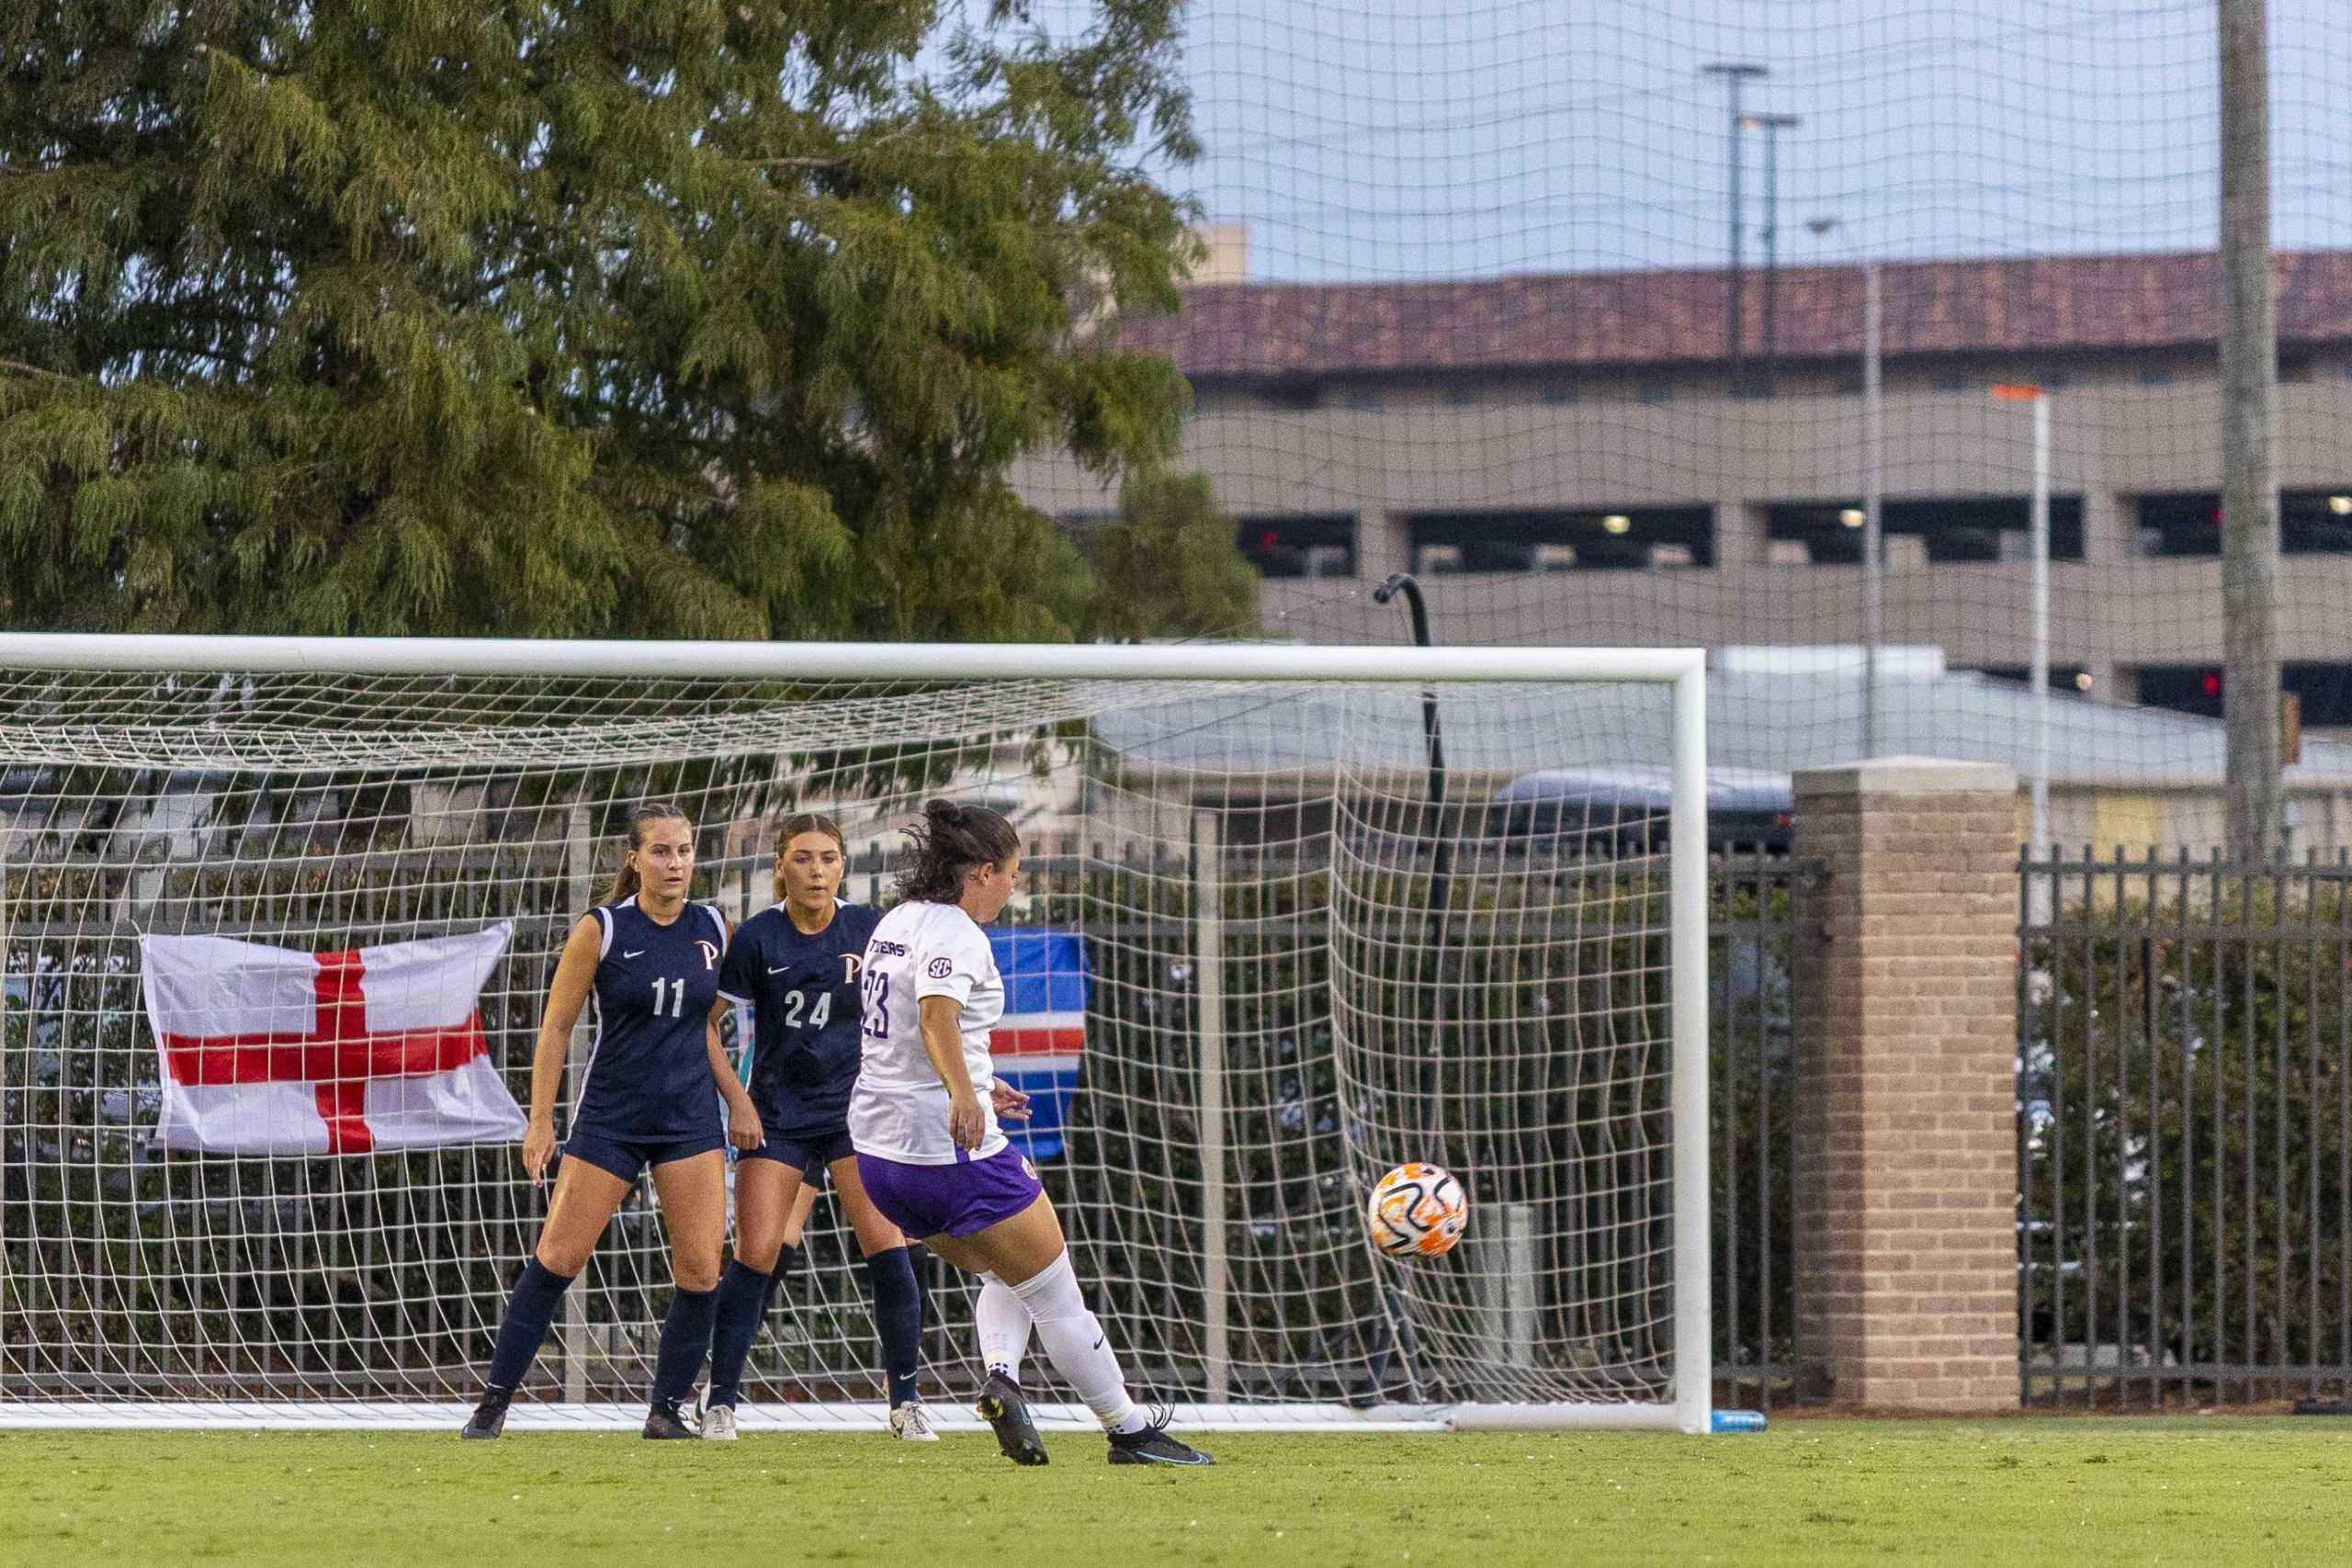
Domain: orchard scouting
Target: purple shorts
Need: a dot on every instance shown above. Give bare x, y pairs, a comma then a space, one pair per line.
950, 1199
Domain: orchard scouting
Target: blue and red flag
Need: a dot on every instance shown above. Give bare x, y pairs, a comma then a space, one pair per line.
1038, 1042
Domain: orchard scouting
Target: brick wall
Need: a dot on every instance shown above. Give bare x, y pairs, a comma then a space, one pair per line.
1906, 1136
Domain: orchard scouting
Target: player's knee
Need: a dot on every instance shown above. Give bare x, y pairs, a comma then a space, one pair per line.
1052, 1294
563, 1258
694, 1268
759, 1250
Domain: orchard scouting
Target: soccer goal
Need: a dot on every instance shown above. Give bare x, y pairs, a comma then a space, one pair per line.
278, 917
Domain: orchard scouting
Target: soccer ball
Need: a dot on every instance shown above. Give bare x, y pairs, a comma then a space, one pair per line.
1417, 1211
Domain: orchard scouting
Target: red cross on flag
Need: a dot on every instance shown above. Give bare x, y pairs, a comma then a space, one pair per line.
271, 1051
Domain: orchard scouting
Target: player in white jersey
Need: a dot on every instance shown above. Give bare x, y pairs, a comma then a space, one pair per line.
924, 1121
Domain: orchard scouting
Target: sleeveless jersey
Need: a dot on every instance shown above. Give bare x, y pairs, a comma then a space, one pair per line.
648, 1071
802, 991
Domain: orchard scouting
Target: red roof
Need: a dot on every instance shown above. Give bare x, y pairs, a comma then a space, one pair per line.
1563, 319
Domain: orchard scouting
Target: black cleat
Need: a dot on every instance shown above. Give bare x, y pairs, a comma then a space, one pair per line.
1152, 1444
1001, 1407
489, 1418
664, 1419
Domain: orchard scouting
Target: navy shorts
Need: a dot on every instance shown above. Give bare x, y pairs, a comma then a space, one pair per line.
956, 1200
805, 1152
626, 1158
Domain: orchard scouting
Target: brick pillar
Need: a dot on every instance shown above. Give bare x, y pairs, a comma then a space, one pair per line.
1905, 1091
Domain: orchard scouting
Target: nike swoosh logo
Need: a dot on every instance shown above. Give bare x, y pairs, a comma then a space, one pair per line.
638, 954
779, 971
1098, 1342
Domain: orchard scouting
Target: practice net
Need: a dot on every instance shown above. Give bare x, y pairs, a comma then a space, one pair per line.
1304, 930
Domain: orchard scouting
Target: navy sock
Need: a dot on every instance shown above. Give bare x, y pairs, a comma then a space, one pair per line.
686, 1340
530, 1311
897, 1317
743, 1302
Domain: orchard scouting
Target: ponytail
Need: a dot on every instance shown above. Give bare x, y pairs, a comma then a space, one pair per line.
624, 883
949, 842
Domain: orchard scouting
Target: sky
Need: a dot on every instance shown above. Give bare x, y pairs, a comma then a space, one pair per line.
1367, 140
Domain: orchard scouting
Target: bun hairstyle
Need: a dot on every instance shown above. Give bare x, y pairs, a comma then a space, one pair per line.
949, 842
801, 822
624, 880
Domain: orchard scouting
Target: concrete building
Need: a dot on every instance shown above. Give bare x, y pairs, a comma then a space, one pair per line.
1565, 453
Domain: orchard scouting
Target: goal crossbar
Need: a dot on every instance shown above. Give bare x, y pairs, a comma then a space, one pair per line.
839, 660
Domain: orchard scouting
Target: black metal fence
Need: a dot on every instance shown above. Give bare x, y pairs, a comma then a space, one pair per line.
1760, 908
2184, 1130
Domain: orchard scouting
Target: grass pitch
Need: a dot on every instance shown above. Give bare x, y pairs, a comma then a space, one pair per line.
2186, 1490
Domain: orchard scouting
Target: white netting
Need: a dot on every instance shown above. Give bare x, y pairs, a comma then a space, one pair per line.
1302, 972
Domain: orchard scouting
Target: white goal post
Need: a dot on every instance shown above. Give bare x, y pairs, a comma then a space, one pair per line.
1302, 950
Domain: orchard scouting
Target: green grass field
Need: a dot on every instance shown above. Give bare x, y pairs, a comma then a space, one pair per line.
2186, 1490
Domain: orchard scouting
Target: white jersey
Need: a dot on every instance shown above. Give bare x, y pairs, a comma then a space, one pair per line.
898, 1109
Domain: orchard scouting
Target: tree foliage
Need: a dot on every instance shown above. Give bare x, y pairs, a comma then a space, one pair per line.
571, 316
1167, 566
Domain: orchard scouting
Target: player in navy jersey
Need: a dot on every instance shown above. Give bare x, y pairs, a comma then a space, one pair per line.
646, 962
796, 966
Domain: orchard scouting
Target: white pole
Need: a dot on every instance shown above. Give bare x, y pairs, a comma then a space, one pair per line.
1208, 959
2040, 526
747, 661
1686, 857
1873, 499
1519, 1285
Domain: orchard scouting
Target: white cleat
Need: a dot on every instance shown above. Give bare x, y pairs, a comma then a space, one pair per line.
718, 1422
910, 1423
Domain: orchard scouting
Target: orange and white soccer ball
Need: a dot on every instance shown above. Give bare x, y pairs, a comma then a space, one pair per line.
1417, 1211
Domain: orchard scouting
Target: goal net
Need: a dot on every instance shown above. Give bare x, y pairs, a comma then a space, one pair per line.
1289, 916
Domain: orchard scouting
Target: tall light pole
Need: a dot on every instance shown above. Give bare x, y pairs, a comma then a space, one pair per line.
2038, 613
2249, 450
1735, 74
1873, 502
1873, 490
1772, 125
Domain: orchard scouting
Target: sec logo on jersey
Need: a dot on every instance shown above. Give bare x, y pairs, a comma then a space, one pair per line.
938, 969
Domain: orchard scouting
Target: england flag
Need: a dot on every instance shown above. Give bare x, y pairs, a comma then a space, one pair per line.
272, 1051
1037, 1043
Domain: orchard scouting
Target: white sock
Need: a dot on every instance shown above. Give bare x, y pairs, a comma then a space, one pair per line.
1001, 1324
1076, 1344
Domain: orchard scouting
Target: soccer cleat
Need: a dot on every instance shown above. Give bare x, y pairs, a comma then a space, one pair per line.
1001, 1407
664, 1419
718, 1423
910, 1423
1152, 1444
489, 1418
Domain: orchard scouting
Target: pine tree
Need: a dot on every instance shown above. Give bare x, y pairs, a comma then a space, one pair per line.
571, 316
